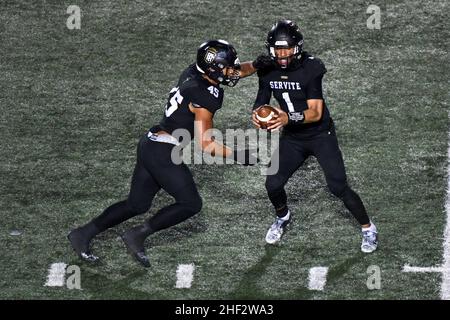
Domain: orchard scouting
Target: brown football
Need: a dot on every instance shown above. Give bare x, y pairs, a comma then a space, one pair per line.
264, 114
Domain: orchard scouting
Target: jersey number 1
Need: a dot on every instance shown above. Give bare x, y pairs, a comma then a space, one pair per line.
174, 102
286, 98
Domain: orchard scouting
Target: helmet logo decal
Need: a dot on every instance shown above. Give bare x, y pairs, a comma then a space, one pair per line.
210, 55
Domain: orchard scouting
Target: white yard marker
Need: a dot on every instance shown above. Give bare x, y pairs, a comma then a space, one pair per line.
407, 268
445, 268
56, 275
317, 278
185, 274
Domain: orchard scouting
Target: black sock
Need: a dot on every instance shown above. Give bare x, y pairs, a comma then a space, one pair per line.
282, 212
143, 230
279, 201
139, 234
89, 230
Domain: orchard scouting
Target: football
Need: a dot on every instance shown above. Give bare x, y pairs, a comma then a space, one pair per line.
264, 114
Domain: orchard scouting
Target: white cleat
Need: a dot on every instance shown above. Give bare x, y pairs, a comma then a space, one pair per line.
369, 242
276, 230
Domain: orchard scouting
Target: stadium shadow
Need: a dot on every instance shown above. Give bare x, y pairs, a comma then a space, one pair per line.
343, 268
248, 287
101, 287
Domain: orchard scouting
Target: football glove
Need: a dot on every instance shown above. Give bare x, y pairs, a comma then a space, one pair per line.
263, 61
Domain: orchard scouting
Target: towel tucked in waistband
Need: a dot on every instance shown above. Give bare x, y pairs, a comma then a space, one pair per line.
164, 138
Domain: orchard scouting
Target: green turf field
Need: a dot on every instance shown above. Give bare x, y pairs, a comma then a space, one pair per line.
73, 104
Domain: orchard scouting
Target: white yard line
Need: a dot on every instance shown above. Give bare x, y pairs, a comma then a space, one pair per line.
445, 268
317, 278
185, 275
407, 268
56, 275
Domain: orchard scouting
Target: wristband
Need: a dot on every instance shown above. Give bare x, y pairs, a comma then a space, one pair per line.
296, 117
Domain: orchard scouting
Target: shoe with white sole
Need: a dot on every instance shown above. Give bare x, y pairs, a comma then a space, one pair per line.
276, 230
369, 241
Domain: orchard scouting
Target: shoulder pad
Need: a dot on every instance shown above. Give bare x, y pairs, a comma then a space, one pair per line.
209, 97
315, 64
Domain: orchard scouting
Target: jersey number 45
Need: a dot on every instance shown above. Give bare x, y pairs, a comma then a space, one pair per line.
174, 102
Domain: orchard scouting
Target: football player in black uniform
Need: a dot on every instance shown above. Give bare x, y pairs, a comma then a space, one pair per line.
294, 78
196, 97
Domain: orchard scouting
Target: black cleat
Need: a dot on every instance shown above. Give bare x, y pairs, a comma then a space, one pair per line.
135, 245
142, 258
81, 245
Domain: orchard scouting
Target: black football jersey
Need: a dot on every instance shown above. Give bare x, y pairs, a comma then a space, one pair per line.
291, 88
191, 88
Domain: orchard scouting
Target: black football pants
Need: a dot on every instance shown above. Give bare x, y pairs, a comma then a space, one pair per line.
293, 152
155, 170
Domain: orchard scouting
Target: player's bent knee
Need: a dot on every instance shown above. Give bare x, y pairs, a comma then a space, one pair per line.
194, 205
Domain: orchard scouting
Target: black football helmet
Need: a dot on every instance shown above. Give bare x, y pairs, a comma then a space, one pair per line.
284, 34
214, 56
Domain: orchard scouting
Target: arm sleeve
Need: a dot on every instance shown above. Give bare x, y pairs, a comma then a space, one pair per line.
264, 94
314, 88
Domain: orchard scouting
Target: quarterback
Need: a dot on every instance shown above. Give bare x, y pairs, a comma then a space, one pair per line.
294, 78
